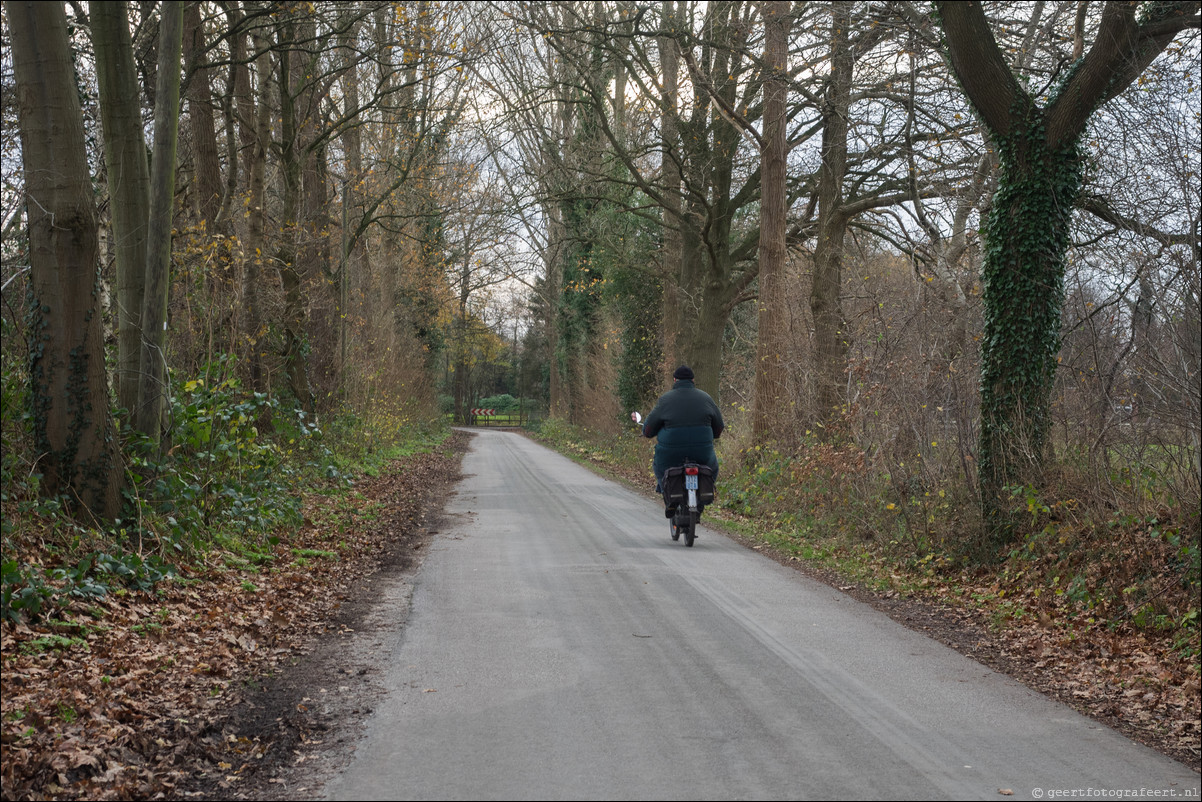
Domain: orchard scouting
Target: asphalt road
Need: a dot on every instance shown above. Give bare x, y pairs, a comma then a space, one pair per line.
561, 646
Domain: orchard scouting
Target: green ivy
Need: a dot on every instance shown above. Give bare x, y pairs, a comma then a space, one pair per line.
28, 591
1026, 241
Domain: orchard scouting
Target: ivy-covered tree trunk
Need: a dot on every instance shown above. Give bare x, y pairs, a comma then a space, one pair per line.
73, 430
1026, 239
1027, 234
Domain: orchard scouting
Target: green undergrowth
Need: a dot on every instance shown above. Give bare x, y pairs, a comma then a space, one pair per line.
1078, 563
1082, 567
226, 492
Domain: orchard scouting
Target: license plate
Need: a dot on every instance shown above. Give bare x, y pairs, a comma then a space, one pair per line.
690, 483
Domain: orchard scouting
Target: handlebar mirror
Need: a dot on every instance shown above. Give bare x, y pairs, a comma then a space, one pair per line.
636, 417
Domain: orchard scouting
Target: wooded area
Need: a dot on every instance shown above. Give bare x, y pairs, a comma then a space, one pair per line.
938, 263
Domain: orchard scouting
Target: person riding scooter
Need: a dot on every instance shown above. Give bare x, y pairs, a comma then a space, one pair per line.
685, 423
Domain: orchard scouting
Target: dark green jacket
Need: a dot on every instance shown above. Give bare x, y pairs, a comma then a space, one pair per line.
686, 422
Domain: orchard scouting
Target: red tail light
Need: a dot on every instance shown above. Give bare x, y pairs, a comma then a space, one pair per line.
691, 470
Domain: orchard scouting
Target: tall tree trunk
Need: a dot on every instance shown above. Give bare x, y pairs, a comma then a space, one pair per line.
150, 414
287, 253
206, 194
557, 254
461, 346
233, 130
313, 252
771, 385
128, 180
826, 305
206, 190
355, 267
252, 326
558, 400
73, 431
672, 254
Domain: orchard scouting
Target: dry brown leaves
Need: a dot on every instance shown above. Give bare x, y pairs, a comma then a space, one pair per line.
119, 703
1128, 678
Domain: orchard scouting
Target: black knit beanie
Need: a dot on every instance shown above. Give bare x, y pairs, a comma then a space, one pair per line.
683, 373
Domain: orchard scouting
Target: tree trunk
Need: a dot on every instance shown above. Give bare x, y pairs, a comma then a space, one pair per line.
73, 431
559, 247
255, 147
287, 253
355, 260
150, 413
313, 252
671, 253
206, 189
128, 180
826, 306
558, 400
771, 385
1026, 235
703, 343
461, 348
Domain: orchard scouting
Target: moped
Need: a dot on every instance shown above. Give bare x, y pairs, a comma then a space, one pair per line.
687, 489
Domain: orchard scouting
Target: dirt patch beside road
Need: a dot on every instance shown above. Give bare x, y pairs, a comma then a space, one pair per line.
308, 716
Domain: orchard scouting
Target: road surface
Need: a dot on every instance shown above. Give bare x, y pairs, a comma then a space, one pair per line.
561, 646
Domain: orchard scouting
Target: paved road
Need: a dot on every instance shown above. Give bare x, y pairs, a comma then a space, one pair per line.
561, 646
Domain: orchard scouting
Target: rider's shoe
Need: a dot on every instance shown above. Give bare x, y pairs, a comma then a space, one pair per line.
669, 511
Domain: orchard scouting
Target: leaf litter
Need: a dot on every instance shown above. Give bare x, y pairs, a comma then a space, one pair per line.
170, 693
